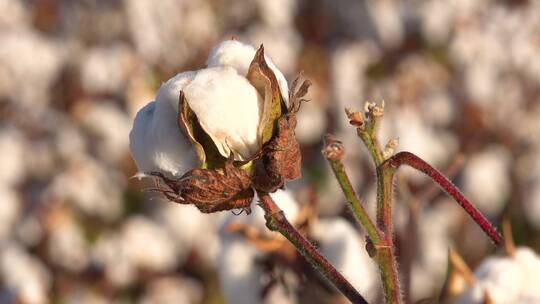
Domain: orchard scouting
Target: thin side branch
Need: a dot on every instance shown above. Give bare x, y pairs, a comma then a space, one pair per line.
276, 221
407, 158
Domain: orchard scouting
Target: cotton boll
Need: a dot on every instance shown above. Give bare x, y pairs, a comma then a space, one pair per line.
349, 65
438, 108
110, 253
156, 142
67, 246
435, 226
529, 262
486, 179
283, 43
148, 245
10, 209
345, 249
91, 187
436, 21
12, 145
172, 290
25, 275
227, 107
192, 230
110, 124
28, 66
235, 54
69, 143
278, 13
415, 135
106, 69
14, 14
171, 33
240, 277
506, 279
386, 16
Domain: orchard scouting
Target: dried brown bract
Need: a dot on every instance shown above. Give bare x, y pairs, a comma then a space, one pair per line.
281, 158
210, 190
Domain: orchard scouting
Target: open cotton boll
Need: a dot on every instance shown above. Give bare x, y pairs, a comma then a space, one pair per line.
191, 230
10, 209
227, 107
345, 249
242, 279
507, 280
156, 142
238, 55
239, 275
24, 274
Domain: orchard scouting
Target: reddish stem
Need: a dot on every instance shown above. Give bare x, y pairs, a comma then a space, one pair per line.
277, 221
407, 158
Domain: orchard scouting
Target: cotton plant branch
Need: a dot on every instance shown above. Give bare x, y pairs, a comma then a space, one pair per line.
380, 244
276, 221
406, 158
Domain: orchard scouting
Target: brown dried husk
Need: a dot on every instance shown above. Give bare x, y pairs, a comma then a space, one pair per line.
281, 158
211, 190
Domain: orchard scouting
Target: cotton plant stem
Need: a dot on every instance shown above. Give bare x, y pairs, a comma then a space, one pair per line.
385, 256
384, 250
407, 158
354, 201
380, 242
276, 221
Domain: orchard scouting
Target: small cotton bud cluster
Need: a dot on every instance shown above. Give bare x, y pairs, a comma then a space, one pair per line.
367, 121
390, 148
333, 148
374, 110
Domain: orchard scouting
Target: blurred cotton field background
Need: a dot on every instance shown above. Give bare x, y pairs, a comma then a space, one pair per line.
461, 81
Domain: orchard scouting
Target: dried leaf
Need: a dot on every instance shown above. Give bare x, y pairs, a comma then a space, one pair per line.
210, 190
265, 82
281, 158
205, 148
299, 89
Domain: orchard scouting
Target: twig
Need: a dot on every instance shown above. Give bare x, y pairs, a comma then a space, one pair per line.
276, 221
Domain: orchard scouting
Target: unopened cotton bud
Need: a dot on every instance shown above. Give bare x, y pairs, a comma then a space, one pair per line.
355, 118
390, 147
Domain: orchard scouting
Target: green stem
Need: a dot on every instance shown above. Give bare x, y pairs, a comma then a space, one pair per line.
380, 243
354, 202
386, 261
276, 221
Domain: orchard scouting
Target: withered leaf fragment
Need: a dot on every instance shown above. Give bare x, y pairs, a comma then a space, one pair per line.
210, 190
263, 79
281, 157
206, 150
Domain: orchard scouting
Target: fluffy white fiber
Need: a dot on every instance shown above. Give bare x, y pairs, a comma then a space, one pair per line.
227, 107
507, 279
238, 55
226, 104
